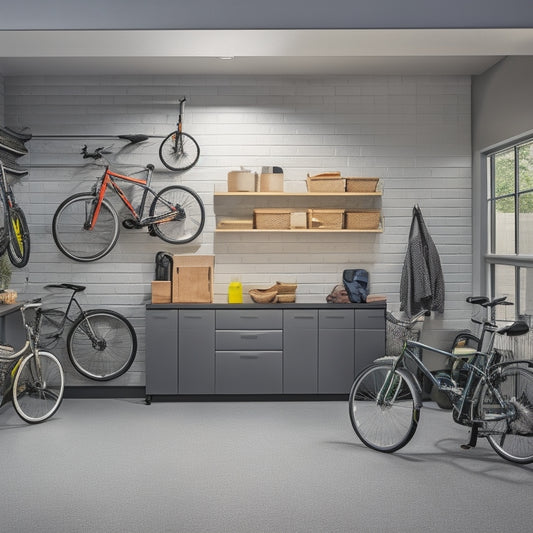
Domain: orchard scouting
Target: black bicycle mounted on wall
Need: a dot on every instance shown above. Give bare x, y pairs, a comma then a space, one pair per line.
14, 231
179, 151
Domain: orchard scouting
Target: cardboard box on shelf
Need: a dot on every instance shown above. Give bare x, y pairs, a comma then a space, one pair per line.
192, 278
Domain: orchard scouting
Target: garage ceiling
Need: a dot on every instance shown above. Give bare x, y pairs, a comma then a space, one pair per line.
287, 52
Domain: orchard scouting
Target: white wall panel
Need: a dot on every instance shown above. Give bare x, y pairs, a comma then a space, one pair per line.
413, 132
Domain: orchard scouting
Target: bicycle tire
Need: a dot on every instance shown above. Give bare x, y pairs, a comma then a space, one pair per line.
511, 438
18, 248
37, 398
190, 215
388, 427
70, 235
179, 151
111, 353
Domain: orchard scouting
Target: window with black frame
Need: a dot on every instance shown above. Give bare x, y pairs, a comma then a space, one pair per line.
510, 229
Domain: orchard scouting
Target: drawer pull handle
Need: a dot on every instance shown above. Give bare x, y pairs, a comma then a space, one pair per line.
304, 317
248, 336
193, 316
249, 357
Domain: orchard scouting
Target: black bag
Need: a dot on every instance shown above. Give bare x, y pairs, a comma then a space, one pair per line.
356, 284
163, 266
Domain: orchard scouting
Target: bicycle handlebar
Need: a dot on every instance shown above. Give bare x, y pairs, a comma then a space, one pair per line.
97, 154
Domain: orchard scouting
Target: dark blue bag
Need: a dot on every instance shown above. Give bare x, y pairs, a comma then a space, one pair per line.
356, 284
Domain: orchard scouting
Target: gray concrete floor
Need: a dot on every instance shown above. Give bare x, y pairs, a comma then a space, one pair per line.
118, 465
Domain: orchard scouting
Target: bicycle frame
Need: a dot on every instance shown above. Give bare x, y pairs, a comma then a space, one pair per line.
109, 180
476, 368
66, 318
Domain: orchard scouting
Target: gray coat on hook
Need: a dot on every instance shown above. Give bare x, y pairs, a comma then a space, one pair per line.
422, 282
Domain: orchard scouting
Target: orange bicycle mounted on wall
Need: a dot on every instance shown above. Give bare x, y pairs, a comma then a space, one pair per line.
179, 151
86, 225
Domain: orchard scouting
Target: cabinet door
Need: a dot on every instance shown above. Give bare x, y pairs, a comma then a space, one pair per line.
336, 342
300, 351
196, 345
161, 359
369, 336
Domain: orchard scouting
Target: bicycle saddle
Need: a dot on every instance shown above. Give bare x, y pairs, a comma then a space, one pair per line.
478, 300
70, 286
515, 329
134, 139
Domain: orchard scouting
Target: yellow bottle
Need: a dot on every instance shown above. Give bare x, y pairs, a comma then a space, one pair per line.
235, 292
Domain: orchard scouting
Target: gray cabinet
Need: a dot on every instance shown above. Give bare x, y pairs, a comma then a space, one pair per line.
300, 351
249, 357
336, 342
196, 349
369, 336
204, 349
161, 359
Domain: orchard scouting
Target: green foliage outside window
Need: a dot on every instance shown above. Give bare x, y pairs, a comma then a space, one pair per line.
504, 184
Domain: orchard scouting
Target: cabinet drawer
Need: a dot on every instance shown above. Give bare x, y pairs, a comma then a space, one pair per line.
249, 372
370, 318
249, 319
249, 340
300, 319
197, 319
336, 319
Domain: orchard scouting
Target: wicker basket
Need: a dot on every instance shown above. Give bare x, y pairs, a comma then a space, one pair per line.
263, 296
325, 218
363, 219
325, 182
285, 288
272, 218
361, 184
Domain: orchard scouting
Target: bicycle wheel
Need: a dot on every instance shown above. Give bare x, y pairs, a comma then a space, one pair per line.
101, 344
37, 395
19, 237
511, 438
69, 228
181, 212
179, 151
391, 425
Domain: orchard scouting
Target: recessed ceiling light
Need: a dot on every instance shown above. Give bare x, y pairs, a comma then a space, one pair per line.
226, 58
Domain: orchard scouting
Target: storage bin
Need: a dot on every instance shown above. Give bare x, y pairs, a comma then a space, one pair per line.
363, 219
361, 184
272, 218
236, 223
270, 183
192, 278
325, 182
242, 181
298, 220
161, 292
325, 218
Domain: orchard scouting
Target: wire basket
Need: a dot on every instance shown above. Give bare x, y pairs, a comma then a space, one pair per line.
398, 331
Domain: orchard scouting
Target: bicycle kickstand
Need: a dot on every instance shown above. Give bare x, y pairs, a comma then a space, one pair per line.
473, 438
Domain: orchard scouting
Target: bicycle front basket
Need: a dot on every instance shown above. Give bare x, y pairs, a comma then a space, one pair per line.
398, 331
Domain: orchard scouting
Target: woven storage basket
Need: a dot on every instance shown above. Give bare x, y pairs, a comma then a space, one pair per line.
272, 218
325, 218
361, 184
286, 288
326, 182
286, 298
263, 296
364, 219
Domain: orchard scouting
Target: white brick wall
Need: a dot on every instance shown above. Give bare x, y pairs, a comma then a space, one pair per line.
414, 132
